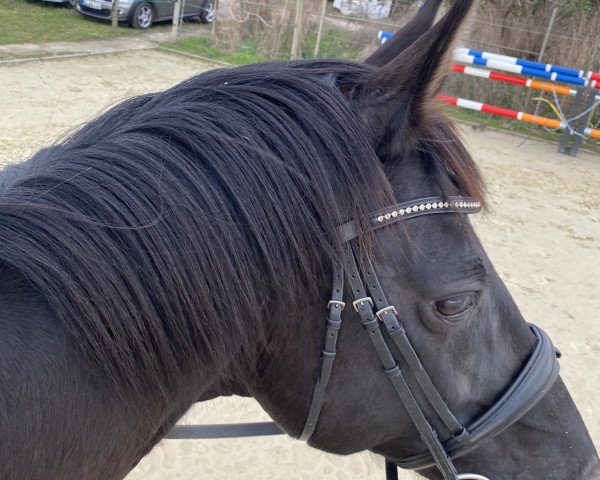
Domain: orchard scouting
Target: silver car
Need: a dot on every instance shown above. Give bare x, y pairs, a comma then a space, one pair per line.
143, 13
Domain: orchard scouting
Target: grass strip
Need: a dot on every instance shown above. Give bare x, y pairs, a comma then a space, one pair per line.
34, 21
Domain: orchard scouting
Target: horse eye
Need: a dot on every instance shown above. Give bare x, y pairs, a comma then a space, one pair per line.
455, 306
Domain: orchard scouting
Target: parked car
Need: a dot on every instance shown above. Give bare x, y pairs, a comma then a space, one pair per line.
143, 13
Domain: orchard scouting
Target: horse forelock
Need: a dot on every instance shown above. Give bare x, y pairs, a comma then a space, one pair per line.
455, 170
162, 231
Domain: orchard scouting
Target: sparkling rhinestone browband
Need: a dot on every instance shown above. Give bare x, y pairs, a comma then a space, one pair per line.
424, 206
412, 208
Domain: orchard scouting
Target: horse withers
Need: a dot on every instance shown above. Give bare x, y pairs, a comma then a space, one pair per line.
183, 245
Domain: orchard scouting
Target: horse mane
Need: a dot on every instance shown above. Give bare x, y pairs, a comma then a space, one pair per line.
164, 232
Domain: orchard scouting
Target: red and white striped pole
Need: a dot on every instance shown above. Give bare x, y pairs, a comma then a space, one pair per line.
505, 78
514, 114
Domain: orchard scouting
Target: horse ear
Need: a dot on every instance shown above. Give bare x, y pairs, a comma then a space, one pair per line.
394, 100
404, 37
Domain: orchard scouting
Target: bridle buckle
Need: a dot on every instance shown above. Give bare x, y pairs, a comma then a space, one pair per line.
385, 310
361, 302
336, 303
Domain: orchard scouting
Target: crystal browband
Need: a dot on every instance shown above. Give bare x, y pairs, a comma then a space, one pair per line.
414, 208
427, 205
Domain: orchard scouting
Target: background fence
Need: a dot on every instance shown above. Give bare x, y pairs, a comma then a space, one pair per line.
565, 33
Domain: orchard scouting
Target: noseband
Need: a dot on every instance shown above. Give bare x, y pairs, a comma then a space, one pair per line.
376, 314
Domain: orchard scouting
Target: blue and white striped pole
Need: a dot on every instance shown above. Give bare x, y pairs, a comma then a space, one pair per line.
519, 69
512, 64
547, 67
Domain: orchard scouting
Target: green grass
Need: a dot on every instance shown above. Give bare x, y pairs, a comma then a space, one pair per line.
34, 21
203, 46
335, 43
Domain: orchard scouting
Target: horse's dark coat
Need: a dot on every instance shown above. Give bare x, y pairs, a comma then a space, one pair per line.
179, 247
170, 195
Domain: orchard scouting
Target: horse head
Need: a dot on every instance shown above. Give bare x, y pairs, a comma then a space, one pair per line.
467, 331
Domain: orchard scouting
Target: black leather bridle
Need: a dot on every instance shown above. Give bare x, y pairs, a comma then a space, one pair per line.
377, 316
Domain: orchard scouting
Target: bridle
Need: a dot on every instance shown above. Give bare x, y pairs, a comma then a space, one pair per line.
380, 320
377, 316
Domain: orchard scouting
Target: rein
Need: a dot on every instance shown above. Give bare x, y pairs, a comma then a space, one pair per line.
376, 314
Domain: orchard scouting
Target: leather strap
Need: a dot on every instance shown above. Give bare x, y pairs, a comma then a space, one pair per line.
529, 387
364, 306
391, 470
412, 209
334, 322
231, 430
389, 318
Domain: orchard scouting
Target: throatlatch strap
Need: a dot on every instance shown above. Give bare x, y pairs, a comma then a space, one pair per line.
364, 306
334, 322
389, 317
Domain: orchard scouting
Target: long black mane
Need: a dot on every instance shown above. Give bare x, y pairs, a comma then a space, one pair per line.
178, 216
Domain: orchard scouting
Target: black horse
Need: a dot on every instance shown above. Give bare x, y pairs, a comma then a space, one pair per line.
181, 247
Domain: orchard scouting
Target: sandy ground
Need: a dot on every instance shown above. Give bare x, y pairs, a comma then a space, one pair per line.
543, 235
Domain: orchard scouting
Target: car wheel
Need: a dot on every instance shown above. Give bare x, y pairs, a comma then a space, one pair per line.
207, 12
142, 16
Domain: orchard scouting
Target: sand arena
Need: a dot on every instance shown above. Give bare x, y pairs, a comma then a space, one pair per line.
543, 235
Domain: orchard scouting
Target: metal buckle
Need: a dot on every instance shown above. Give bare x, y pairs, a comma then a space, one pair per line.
337, 303
391, 308
362, 301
